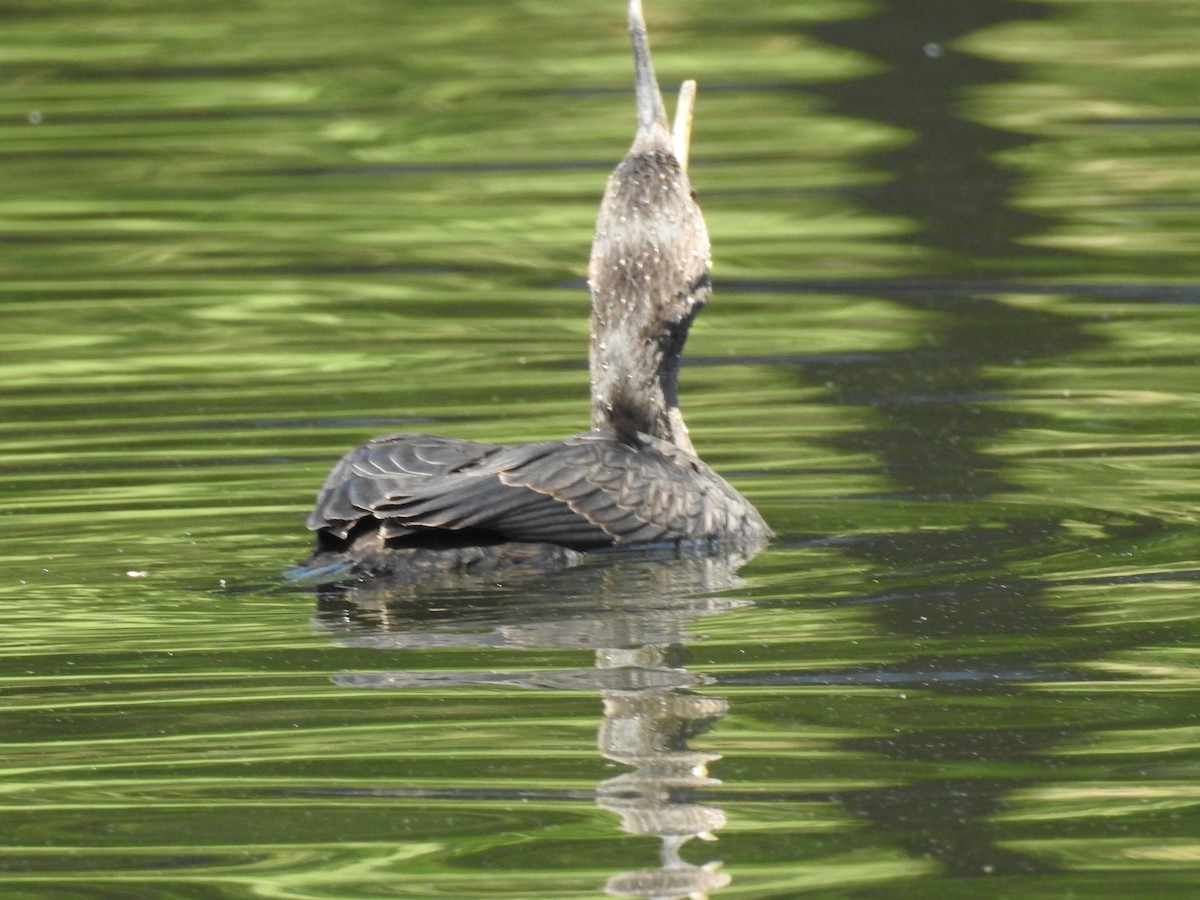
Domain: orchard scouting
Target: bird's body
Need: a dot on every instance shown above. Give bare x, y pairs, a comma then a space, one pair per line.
413, 504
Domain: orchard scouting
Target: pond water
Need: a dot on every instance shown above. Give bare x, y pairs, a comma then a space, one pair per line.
951, 356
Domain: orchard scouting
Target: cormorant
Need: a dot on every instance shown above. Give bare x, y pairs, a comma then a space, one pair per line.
414, 505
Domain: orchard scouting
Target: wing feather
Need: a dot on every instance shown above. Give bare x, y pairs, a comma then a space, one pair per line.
588, 491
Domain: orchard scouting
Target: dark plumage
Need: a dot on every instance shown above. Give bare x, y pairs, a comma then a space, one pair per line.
416, 504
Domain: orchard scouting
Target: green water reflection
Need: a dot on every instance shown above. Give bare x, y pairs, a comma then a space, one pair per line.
950, 357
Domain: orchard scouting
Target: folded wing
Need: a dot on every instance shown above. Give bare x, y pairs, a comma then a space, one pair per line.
589, 491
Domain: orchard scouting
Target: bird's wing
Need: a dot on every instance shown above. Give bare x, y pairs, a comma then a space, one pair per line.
385, 465
588, 491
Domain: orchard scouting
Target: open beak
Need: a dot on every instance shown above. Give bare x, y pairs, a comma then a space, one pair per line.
652, 114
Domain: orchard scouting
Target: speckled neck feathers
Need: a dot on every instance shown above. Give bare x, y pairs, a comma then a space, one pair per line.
648, 274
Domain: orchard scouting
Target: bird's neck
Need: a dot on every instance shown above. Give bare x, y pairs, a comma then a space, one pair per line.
635, 379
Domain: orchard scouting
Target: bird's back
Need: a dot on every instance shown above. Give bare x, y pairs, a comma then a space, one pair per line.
589, 491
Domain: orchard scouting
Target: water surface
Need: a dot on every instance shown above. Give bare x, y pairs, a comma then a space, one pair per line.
950, 356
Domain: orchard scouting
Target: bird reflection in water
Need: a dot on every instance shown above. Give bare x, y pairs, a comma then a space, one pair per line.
648, 727
634, 611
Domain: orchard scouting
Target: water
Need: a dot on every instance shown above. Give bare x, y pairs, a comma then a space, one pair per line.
950, 356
